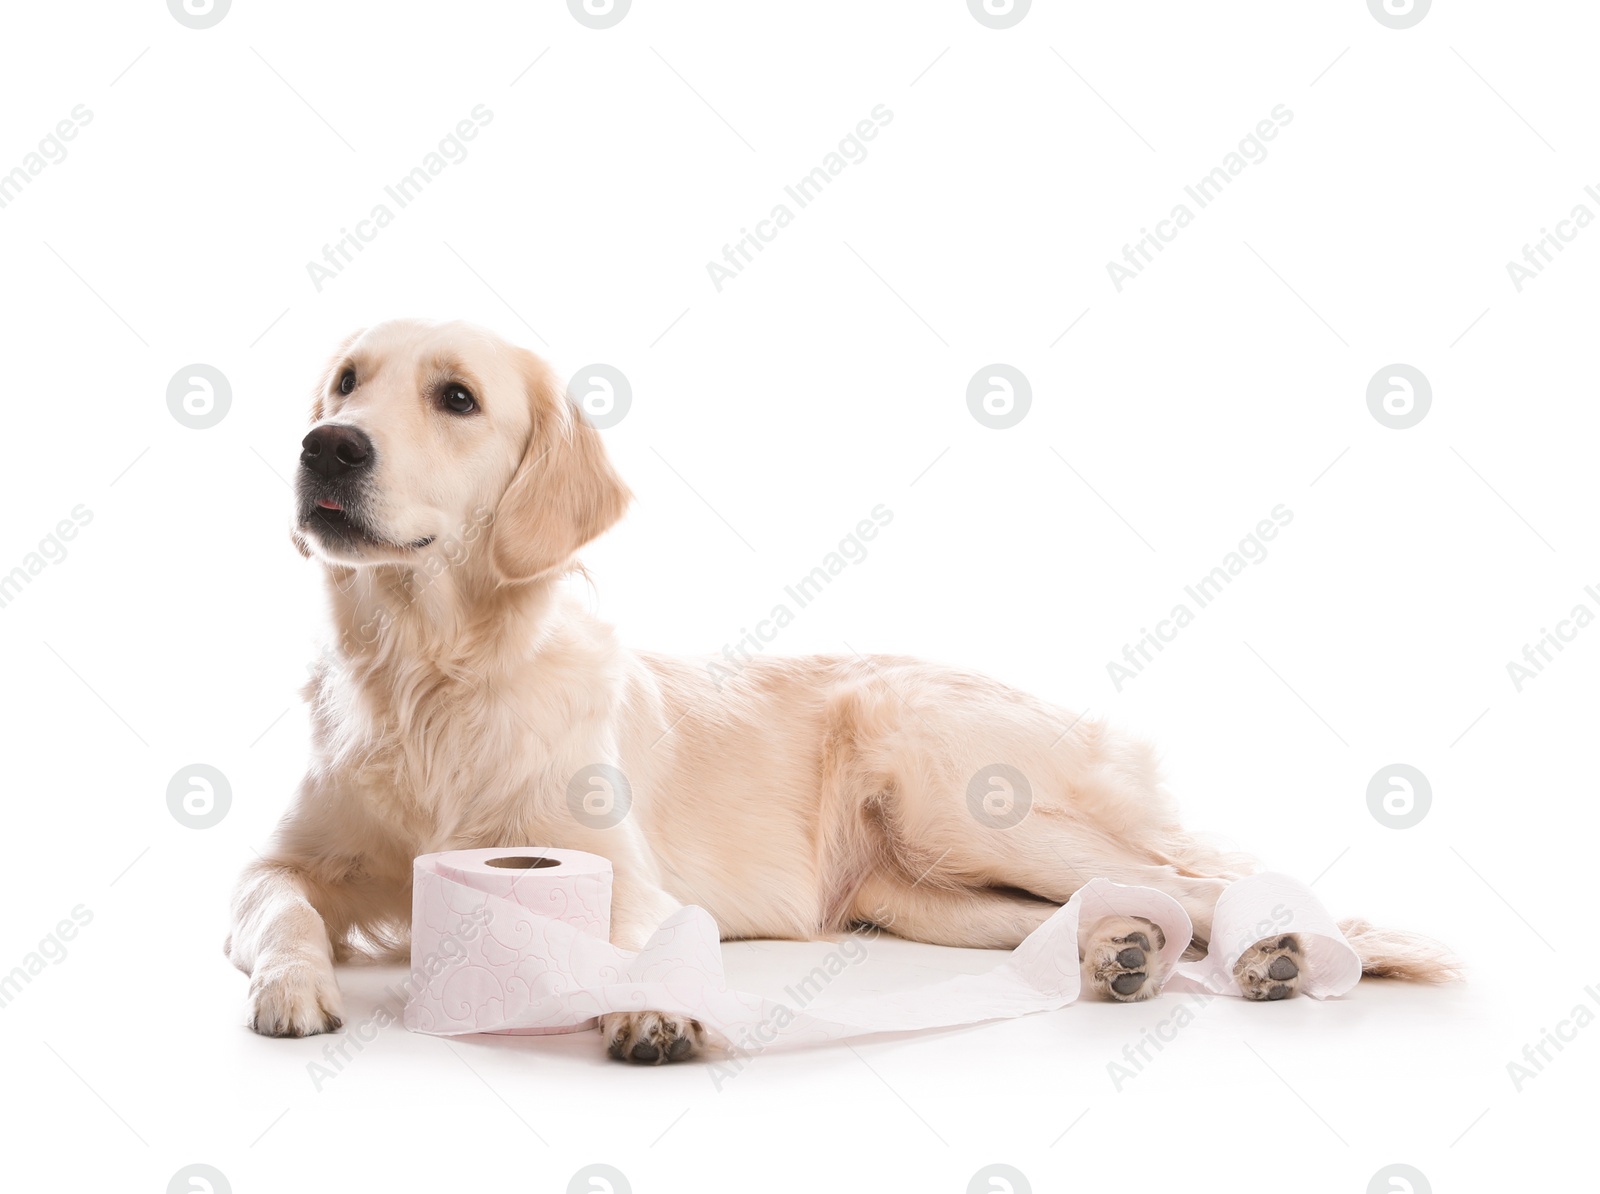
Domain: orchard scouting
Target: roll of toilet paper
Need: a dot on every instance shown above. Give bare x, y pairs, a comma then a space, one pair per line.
513, 941
450, 918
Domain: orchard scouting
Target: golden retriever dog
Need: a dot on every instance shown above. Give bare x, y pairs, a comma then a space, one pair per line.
468, 699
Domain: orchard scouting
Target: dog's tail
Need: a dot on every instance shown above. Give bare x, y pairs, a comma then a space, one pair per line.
1389, 953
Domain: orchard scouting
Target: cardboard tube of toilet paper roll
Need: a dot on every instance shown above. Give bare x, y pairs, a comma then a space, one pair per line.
501, 947
1265, 906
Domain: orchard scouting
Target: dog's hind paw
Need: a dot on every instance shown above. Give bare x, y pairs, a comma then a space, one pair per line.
1270, 969
1120, 958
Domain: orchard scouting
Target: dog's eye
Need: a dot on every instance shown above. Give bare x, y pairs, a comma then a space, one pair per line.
347, 381
457, 399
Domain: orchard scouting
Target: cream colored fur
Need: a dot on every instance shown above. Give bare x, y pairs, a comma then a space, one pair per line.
465, 687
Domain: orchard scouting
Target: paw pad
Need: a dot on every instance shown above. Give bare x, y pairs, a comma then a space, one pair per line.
1270, 969
1117, 958
650, 1038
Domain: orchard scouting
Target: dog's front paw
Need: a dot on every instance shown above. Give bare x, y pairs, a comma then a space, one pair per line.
1121, 958
1270, 969
651, 1038
294, 997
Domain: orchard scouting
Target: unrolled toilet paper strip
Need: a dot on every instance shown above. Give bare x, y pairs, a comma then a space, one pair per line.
523, 948
1265, 906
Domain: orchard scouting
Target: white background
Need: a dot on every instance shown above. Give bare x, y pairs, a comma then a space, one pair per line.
768, 419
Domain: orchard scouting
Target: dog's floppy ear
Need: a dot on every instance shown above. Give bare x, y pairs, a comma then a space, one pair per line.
564, 493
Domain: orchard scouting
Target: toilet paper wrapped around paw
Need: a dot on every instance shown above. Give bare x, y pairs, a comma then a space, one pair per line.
513, 940
1265, 906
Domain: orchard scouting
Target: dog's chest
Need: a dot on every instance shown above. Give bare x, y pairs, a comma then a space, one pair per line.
444, 760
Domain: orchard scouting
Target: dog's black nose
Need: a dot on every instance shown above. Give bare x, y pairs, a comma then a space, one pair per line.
336, 451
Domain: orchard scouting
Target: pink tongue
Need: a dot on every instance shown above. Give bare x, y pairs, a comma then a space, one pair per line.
327, 505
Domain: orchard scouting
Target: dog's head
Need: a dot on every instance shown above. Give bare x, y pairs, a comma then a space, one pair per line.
428, 438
